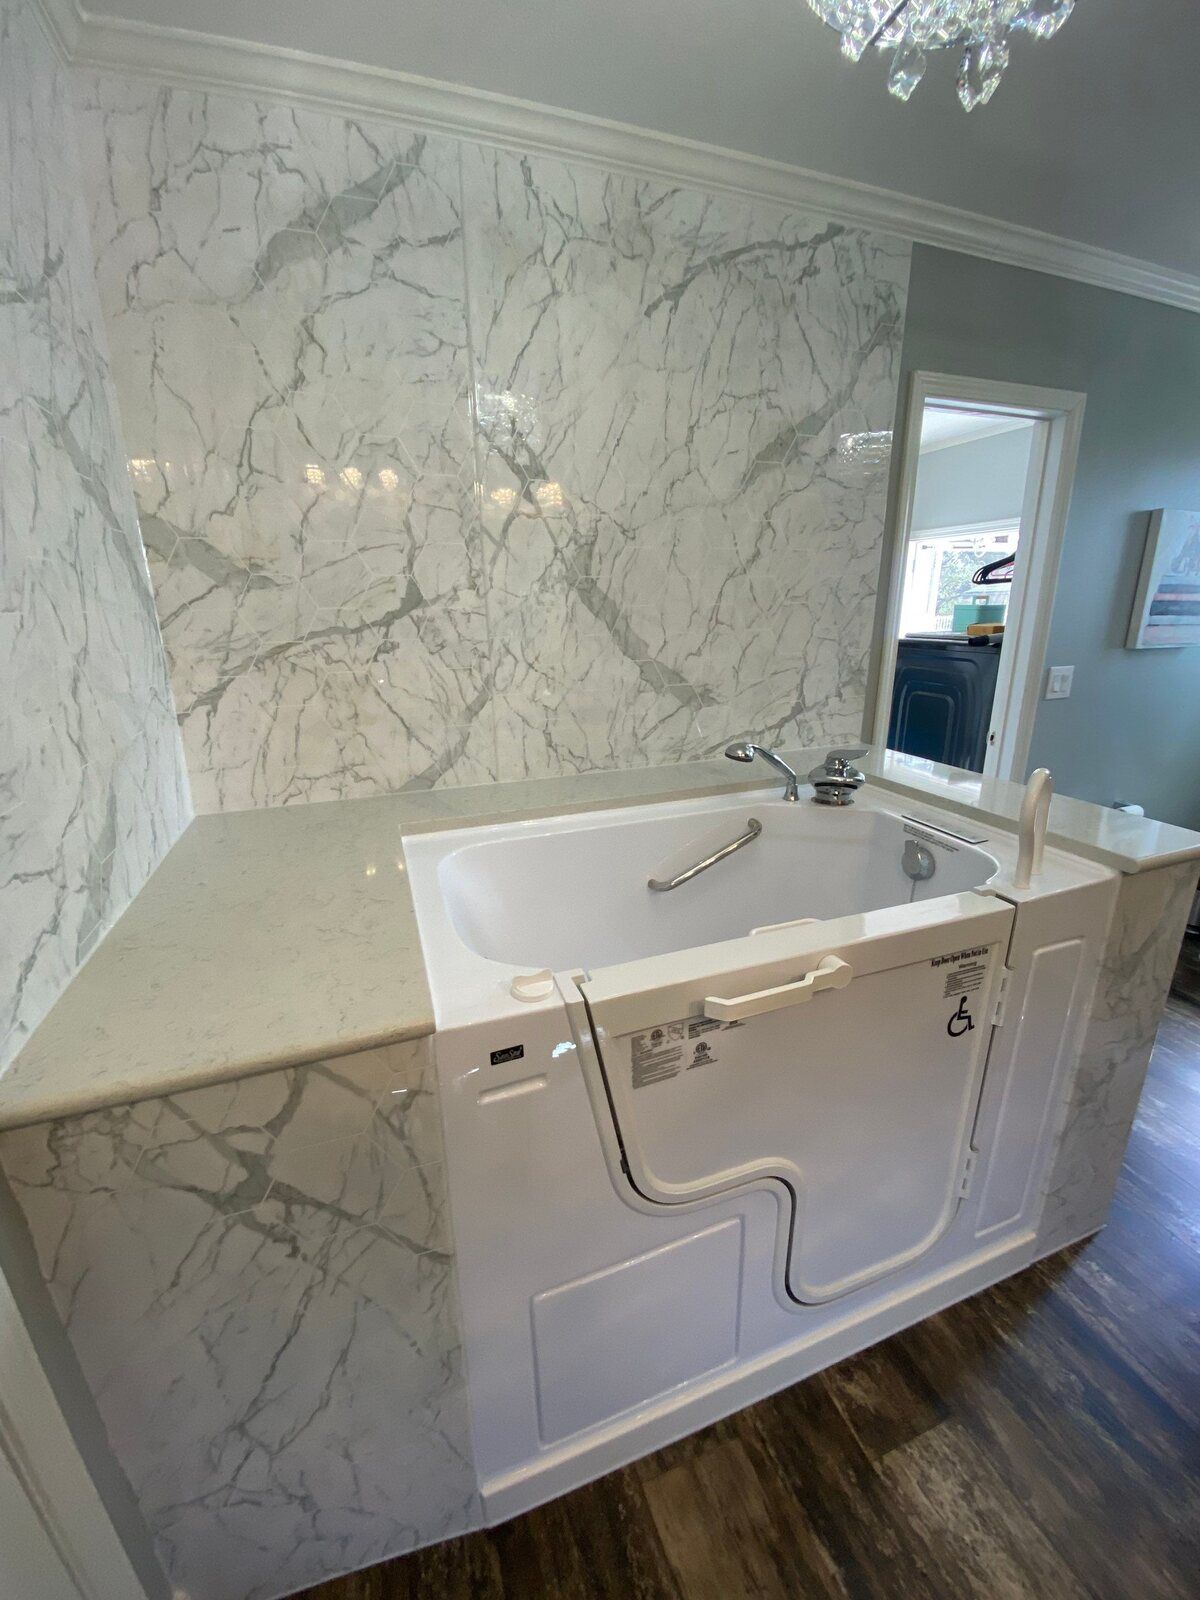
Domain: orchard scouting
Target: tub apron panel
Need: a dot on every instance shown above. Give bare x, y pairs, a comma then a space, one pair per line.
842, 1059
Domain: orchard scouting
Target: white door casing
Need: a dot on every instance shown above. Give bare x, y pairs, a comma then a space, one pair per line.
1049, 480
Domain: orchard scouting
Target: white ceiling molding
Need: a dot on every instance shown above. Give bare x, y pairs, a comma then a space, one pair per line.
63, 23
203, 61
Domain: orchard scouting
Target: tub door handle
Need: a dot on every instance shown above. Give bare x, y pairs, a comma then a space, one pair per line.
831, 972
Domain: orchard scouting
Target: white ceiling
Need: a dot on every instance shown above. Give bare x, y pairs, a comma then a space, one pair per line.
1094, 135
942, 426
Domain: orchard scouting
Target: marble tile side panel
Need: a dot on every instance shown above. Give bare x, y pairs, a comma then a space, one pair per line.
676, 547
285, 296
1139, 960
258, 1281
92, 782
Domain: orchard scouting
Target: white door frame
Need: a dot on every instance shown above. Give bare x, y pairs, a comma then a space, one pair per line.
1049, 481
56, 1531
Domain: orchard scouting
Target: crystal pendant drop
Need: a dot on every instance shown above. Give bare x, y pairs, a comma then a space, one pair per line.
1043, 18
907, 70
980, 71
980, 29
993, 59
855, 40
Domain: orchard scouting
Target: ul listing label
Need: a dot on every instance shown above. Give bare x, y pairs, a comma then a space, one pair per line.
961, 1022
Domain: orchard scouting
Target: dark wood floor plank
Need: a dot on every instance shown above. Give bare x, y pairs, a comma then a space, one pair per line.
884, 1398
726, 1535
1037, 1442
1133, 1320
1176, 1213
599, 1543
457, 1569
1084, 1502
944, 1482
815, 1453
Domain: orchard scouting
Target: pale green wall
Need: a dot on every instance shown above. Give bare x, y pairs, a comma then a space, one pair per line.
1131, 728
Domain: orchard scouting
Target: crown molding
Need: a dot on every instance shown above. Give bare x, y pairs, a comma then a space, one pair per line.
203, 61
62, 22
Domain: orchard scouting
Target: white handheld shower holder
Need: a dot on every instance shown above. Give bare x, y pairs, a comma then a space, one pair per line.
1035, 812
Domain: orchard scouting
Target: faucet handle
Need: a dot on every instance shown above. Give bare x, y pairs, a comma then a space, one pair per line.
838, 764
836, 779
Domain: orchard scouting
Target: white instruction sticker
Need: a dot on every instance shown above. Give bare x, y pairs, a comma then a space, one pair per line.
656, 1054
968, 969
661, 1053
915, 831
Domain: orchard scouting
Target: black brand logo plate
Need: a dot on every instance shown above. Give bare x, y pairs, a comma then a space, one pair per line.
511, 1052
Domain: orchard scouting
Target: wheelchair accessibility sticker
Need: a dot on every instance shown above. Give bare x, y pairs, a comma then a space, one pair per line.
961, 1022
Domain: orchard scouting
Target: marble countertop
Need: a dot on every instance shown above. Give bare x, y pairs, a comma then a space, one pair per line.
1113, 838
269, 938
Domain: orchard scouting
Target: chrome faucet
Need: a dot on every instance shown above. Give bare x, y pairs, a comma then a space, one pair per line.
834, 783
744, 751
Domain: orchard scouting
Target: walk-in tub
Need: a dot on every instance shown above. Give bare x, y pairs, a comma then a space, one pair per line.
708, 1131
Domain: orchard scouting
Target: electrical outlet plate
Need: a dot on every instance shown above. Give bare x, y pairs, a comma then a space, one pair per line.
1058, 682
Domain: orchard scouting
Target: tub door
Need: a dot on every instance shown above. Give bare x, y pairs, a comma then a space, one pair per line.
843, 1059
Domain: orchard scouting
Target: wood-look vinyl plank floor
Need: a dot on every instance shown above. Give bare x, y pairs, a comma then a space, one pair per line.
1040, 1441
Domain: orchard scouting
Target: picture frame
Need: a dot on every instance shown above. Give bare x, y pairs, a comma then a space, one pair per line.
1166, 607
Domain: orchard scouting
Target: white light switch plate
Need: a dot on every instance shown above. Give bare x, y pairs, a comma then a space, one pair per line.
1058, 682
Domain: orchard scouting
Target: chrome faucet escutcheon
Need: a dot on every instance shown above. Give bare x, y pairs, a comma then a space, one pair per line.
836, 781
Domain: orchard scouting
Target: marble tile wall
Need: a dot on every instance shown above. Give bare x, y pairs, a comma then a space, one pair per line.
257, 1279
455, 465
1139, 961
92, 782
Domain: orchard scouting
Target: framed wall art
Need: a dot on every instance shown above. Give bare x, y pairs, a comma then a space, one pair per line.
1166, 608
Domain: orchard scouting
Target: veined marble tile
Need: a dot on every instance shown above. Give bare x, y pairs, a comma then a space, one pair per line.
285, 294
92, 785
257, 1278
672, 549
1139, 961
675, 550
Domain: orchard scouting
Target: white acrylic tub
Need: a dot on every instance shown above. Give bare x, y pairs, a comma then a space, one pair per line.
572, 892
701, 1142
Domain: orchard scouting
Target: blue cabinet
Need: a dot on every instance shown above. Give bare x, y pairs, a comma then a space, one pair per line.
942, 700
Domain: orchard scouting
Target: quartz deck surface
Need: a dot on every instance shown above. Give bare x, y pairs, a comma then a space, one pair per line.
273, 937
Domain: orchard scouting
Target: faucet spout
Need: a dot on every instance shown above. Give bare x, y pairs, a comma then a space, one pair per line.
743, 750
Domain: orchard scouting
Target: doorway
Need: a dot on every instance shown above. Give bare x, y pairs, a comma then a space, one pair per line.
985, 478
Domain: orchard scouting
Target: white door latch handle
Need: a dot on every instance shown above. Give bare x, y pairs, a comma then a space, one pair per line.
831, 972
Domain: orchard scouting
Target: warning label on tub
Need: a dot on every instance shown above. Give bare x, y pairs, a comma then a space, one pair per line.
661, 1053
657, 1053
967, 971
915, 831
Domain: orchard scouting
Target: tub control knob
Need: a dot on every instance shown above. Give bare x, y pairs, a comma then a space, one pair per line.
532, 985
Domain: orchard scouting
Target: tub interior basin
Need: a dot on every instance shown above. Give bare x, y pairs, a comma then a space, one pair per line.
573, 892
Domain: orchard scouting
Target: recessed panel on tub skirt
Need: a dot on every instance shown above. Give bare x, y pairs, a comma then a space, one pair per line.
617, 1338
1030, 1067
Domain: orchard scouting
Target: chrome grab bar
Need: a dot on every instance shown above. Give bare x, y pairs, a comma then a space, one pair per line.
753, 829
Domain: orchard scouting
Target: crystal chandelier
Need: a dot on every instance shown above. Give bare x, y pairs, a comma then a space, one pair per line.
912, 28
